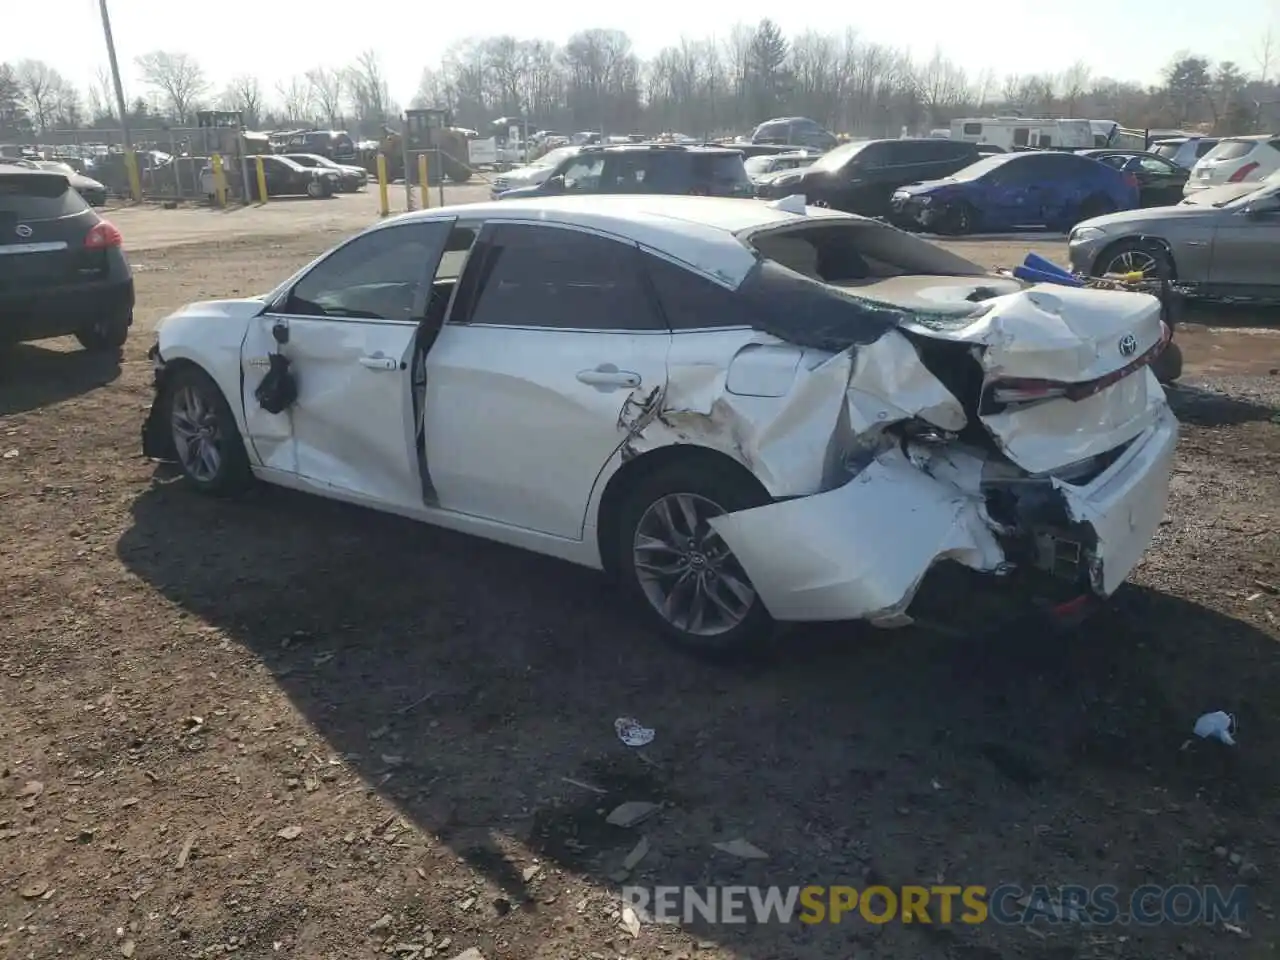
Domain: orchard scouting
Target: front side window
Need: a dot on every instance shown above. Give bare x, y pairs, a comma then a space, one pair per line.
582, 175
543, 276
383, 275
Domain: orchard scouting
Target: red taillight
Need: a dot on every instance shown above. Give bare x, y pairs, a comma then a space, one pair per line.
102, 236
1239, 175
1014, 390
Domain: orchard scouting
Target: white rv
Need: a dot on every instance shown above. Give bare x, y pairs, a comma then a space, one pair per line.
1010, 132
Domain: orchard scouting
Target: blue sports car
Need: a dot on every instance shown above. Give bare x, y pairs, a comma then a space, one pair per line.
1035, 188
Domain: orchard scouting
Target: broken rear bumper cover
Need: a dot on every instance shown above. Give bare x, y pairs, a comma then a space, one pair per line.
861, 550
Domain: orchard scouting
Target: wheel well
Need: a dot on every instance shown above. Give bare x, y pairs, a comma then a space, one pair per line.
632, 472
1111, 248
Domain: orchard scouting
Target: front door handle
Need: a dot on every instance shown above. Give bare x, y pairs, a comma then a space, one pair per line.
379, 363
608, 377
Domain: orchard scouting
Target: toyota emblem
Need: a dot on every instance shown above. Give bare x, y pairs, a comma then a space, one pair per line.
1128, 345
23, 231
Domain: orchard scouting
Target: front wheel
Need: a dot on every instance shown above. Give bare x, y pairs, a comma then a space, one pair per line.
684, 576
205, 436
316, 190
106, 334
958, 220
1135, 256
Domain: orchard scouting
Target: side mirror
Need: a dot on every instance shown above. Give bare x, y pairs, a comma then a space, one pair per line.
556, 184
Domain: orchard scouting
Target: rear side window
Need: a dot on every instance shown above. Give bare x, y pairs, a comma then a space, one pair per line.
1170, 150
542, 276
1204, 146
689, 301
1231, 150
36, 197
721, 171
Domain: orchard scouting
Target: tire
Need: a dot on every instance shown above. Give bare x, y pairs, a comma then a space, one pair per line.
710, 491
106, 335
959, 219
316, 190
1094, 207
1143, 255
1168, 366
211, 415
457, 173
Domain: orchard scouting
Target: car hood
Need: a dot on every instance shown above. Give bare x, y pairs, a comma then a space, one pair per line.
1222, 194
243, 308
927, 187
1155, 215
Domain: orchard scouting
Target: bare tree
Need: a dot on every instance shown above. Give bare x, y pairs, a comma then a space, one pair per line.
1264, 55
326, 92
178, 78
1074, 83
369, 94
984, 86
102, 95
940, 85
295, 98
39, 86
244, 93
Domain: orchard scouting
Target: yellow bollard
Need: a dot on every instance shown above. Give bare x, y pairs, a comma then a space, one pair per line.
422, 180
219, 179
384, 205
262, 180
135, 181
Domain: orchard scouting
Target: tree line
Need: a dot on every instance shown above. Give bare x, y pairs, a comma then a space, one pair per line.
597, 81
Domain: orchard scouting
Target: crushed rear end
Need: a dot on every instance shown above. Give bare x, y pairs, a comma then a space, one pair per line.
1013, 431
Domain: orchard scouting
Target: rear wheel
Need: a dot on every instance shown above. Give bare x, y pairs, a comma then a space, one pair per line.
958, 219
1094, 207
105, 334
206, 439
683, 575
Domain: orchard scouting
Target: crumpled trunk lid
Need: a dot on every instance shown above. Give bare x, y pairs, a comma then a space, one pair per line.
1077, 358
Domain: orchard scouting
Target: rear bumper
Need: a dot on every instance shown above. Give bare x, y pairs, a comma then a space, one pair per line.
862, 550
63, 310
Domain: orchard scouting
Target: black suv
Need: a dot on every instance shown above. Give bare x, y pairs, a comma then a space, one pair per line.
62, 268
646, 168
795, 130
861, 177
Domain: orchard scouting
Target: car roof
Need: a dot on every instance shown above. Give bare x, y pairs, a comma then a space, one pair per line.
699, 231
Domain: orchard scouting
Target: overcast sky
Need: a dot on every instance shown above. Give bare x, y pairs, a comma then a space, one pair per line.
276, 40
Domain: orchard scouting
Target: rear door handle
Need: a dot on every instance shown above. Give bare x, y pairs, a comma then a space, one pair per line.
379, 363
608, 377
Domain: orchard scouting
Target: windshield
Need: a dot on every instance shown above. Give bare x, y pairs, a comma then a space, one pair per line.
555, 157
837, 158
984, 166
1268, 191
1231, 150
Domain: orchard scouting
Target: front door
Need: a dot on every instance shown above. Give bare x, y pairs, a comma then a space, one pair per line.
1245, 247
351, 323
551, 353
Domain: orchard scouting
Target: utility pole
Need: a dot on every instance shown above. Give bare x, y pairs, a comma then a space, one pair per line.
130, 160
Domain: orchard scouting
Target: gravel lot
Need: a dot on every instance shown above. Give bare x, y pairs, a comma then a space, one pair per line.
288, 728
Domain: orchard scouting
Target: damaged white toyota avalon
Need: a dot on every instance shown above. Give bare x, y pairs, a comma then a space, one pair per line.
748, 412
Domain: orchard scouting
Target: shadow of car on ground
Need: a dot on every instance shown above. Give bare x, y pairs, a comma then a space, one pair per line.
34, 376
859, 757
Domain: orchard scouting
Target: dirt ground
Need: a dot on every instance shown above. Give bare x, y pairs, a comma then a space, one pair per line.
287, 728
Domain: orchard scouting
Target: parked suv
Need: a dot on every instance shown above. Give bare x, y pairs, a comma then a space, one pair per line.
62, 267
800, 131
861, 177
646, 168
1184, 151
1235, 160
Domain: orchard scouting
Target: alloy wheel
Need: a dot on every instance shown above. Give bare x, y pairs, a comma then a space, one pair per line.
1132, 261
197, 434
686, 571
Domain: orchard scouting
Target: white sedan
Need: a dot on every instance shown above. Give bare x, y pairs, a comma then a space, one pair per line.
749, 412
